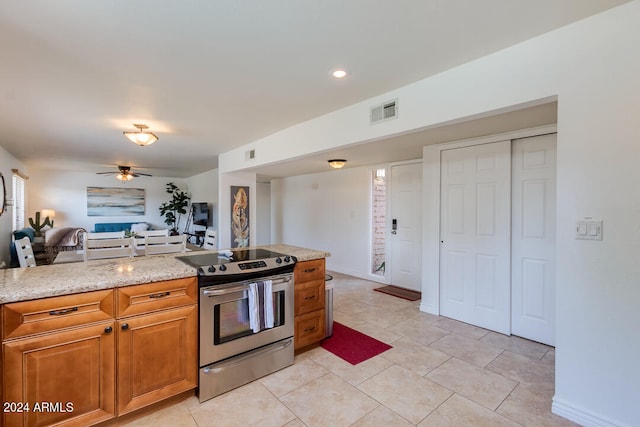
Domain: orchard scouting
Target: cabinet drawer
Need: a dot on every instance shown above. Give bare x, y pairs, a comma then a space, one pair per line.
309, 328
151, 297
309, 296
309, 270
49, 314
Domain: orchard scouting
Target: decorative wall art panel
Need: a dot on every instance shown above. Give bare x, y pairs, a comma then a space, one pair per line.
239, 217
112, 201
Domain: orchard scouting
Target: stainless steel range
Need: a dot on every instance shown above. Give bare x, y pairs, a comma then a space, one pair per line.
246, 316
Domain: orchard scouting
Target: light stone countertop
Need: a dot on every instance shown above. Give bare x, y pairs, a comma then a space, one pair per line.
21, 284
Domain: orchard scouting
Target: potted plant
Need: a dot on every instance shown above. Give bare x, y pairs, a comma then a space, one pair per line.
173, 210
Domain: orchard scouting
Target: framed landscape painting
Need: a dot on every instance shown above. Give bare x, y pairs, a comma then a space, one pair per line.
113, 201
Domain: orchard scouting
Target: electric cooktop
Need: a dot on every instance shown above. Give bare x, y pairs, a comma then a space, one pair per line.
237, 261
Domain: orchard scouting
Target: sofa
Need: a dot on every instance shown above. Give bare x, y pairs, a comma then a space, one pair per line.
116, 226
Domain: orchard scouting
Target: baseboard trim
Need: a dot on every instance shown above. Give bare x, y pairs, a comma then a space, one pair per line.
582, 415
429, 308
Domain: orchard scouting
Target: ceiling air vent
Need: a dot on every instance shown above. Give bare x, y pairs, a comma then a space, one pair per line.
385, 111
250, 154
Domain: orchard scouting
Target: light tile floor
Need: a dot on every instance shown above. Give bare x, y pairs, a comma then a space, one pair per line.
440, 372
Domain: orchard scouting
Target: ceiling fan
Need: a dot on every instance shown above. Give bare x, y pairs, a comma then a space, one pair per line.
124, 173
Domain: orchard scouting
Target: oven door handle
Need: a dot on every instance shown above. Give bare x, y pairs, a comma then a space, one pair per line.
224, 291
266, 349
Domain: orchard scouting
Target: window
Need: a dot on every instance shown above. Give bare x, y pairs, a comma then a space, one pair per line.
378, 208
18, 201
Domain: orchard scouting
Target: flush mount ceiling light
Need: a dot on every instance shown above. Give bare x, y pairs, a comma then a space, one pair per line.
142, 137
339, 73
337, 163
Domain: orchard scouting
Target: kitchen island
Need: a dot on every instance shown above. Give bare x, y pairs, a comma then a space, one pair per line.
21, 284
103, 338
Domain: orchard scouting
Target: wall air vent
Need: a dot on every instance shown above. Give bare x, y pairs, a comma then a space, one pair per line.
385, 111
250, 154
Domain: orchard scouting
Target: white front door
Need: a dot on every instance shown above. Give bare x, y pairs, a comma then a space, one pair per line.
475, 255
533, 238
406, 226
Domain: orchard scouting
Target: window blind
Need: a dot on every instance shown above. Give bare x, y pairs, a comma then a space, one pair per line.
18, 202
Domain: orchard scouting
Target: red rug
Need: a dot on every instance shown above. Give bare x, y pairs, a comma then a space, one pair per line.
351, 345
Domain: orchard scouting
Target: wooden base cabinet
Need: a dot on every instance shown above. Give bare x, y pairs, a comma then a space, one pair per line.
78, 360
157, 357
63, 376
309, 295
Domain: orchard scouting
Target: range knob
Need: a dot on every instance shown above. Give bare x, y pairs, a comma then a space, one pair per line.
223, 267
211, 269
287, 258
278, 260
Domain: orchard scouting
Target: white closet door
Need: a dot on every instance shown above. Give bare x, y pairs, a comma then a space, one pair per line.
533, 238
475, 235
406, 239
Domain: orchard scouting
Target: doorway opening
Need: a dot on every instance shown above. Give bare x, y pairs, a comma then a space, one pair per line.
378, 220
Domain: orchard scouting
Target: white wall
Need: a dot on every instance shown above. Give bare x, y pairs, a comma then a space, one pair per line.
328, 211
263, 213
592, 67
66, 192
204, 188
7, 162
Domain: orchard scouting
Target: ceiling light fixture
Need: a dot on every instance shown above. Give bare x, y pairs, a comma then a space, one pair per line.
339, 74
141, 137
337, 163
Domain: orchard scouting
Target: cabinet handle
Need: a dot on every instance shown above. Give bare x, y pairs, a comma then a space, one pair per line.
311, 329
62, 312
160, 295
108, 330
124, 326
311, 297
310, 270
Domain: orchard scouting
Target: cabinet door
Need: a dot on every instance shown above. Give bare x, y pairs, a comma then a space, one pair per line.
65, 377
157, 356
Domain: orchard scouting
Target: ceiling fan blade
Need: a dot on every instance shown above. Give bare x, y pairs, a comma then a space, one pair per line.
141, 174
106, 173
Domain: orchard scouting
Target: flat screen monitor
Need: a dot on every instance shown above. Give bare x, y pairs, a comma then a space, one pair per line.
200, 212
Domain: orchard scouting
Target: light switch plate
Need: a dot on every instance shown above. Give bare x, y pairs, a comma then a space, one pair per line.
588, 229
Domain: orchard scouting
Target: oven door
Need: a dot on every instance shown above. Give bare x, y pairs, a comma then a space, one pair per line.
225, 329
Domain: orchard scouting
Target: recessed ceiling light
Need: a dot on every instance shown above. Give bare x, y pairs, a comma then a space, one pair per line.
339, 73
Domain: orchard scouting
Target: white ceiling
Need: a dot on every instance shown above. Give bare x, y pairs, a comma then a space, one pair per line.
211, 76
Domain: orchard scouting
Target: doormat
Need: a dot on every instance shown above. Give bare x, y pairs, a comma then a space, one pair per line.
399, 292
351, 345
